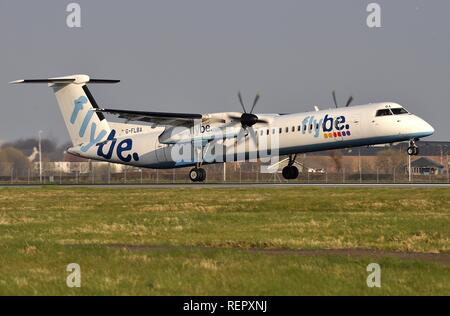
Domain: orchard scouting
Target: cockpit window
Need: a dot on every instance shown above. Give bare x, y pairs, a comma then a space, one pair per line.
398, 111
384, 112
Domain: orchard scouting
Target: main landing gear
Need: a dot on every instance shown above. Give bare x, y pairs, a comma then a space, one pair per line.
290, 171
197, 174
412, 150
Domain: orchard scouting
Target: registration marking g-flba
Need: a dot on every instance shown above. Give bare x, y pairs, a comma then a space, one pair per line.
132, 130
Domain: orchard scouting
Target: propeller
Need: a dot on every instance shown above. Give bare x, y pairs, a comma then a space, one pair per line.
248, 119
350, 99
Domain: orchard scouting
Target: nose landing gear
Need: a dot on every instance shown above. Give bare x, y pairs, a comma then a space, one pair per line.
412, 150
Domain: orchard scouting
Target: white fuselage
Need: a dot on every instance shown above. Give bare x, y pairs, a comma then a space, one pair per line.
335, 128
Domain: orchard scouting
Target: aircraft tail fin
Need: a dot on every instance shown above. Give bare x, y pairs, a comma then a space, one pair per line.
76, 103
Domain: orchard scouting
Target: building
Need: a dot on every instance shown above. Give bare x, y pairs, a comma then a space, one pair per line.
426, 166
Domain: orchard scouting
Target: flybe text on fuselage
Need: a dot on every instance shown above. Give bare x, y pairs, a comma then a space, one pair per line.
328, 126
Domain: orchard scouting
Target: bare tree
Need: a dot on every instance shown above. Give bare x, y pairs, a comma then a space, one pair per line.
390, 158
51, 151
336, 156
12, 159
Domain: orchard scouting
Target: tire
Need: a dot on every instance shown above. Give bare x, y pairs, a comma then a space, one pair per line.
411, 151
294, 171
290, 172
202, 174
286, 172
197, 174
193, 174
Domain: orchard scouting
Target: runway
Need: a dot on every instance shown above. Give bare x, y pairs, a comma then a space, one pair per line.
235, 185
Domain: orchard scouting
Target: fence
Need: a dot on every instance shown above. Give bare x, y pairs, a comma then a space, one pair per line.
215, 174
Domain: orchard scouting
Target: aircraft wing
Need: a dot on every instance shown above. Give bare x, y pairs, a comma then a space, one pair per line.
157, 118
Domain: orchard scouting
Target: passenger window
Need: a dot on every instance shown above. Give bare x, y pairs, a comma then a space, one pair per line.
398, 111
299, 128
262, 132
287, 129
293, 128
281, 130
267, 131
384, 112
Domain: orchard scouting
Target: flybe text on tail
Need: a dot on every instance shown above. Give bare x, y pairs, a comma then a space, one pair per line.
78, 106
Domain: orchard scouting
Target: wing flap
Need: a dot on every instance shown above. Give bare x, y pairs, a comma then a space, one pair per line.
159, 118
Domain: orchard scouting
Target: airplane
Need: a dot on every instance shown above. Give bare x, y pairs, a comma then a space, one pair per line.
164, 140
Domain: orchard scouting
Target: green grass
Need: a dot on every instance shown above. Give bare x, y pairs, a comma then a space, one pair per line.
198, 241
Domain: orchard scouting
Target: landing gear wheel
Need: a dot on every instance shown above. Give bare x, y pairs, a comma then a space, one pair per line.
202, 174
197, 174
290, 172
413, 151
193, 174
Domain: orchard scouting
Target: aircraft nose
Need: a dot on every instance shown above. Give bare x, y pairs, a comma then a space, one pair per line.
431, 128
426, 128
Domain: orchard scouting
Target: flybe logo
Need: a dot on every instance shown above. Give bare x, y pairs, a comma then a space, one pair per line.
331, 127
93, 138
123, 147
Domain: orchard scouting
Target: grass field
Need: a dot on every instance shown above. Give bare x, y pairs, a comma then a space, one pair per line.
226, 241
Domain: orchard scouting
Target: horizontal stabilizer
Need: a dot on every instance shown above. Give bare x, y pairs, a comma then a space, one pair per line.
43, 81
78, 79
104, 81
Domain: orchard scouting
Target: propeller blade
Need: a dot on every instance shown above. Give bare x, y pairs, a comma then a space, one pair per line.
349, 101
243, 132
241, 102
254, 102
231, 125
252, 136
334, 98
247, 119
